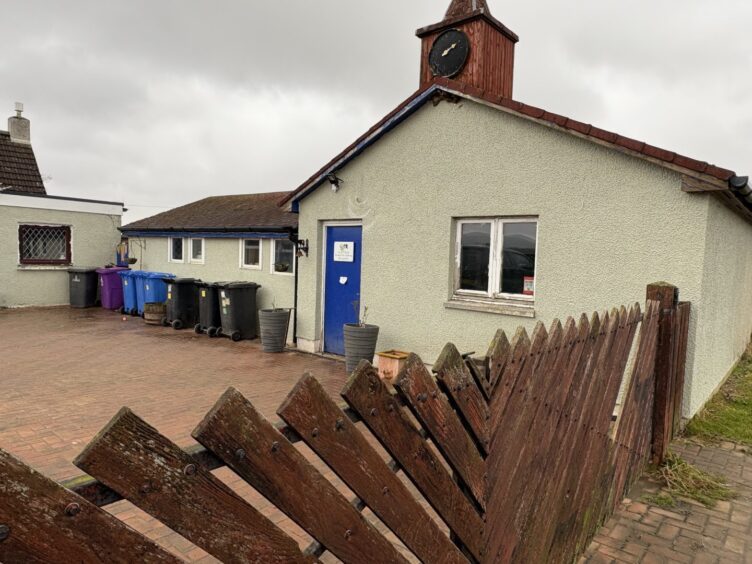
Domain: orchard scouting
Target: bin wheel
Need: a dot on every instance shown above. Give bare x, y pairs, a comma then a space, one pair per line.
212, 332
218, 332
165, 323
121, 310
134, 313
197, 329
235, 336
177, 325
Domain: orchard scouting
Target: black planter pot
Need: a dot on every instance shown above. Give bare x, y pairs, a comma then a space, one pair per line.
360, 344
273, 324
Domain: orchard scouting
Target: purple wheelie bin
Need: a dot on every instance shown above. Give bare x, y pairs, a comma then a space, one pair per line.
111, 287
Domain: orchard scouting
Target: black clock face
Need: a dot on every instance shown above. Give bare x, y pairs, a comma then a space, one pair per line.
449, 53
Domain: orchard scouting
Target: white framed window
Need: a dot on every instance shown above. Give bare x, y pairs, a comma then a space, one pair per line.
251, 254
175, 249
197, 251
496, 258
283, 257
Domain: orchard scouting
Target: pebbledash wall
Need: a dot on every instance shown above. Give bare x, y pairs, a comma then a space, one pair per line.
608, 224
221, 264
94, 238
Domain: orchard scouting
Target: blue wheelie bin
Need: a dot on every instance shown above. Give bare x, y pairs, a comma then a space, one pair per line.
155, 287
129, 291
139, 277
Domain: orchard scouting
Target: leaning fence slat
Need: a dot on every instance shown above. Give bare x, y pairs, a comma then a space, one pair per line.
156, 475
47, 523
368, 395
236, 432
420, 391
322, 425
453, 372
682, 331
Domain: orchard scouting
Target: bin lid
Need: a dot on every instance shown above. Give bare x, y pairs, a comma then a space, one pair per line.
240, 285
81, 270
157, 275
201, 284
184, 280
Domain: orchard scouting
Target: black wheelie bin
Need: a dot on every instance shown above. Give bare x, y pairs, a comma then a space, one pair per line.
210, 319
84, 284
182, 302
237, 305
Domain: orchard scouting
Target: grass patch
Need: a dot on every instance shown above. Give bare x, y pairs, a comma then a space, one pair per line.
728, 416
663, 499
682, 480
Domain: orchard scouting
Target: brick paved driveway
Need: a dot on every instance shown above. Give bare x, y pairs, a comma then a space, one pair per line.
689, 533
65, 373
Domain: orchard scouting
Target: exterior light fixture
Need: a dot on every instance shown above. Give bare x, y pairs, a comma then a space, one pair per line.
335, 181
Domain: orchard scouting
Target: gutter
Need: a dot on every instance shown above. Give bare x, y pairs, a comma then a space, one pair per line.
740, 187
127, 229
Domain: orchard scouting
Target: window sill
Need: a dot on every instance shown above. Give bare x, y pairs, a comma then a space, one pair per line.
283, 273
497, 307
37, 267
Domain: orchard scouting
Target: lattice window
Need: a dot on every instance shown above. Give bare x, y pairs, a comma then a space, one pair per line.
44, 244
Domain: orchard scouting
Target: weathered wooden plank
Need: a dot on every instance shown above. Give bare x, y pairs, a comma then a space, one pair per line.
156, 475
369, 396
682, 329
47, 523
511, 398
538, 474
451, 369
593, 489
663, 418
533, 453
562, 458
322, 425
518, 354
432, 409
585, 439
498, 355
236, 432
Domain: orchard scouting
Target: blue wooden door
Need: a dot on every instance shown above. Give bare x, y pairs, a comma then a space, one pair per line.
342, 285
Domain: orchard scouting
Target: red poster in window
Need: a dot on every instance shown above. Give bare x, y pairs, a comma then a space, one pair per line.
528, 287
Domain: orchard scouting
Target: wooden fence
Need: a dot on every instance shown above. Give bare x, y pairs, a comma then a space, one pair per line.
519, 454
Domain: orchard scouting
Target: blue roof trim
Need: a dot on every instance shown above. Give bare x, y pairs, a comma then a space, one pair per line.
397, 119
199, 235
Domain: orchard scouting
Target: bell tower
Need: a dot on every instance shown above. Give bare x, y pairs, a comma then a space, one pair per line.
470, 46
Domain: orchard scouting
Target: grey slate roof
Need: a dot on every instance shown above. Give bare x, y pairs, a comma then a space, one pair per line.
258, 212
18, 167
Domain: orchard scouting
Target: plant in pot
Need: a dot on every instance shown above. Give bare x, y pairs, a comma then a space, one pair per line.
273, 324
360, 340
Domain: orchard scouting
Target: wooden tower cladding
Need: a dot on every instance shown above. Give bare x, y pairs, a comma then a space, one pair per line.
490, 64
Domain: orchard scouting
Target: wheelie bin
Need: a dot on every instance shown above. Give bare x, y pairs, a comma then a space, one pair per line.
182, 303
111, 287
139, 277
155, 287
83, 287
209, 317
237, 306
129, 291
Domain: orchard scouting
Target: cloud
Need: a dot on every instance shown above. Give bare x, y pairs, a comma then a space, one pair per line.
157, 103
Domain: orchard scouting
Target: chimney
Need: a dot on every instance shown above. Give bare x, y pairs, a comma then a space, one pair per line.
19, 127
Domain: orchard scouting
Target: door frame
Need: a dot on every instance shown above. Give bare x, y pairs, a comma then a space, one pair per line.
325, 250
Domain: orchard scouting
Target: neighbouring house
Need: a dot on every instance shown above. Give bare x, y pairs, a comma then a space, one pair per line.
223, 239
42, 236
470, 211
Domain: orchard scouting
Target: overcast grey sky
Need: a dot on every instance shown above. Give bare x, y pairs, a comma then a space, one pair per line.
160, 102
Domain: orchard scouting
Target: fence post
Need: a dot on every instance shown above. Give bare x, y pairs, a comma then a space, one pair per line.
665, 383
